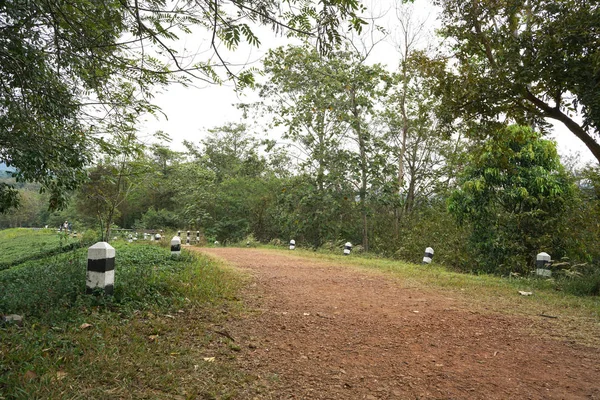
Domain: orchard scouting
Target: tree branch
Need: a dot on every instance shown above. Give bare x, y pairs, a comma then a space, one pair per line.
555, 113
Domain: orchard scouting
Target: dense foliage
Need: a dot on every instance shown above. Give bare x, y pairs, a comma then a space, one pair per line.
524, 60
76, 73
513, 192
445, 152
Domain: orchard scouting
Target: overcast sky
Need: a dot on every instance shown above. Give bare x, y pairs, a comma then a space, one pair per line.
190, 111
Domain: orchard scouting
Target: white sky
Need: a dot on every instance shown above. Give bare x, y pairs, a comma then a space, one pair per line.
190, 111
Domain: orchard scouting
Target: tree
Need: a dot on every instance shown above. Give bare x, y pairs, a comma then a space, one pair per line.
75, 71
326, 104
230, 151
525, 61
112, 181
228, 188
512, 192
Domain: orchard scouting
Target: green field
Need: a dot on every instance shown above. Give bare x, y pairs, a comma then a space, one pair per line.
21, 244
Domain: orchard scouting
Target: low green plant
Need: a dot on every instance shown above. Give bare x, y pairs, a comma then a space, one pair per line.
153, 331
19, 245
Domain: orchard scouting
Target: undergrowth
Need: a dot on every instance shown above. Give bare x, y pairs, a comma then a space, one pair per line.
149, 340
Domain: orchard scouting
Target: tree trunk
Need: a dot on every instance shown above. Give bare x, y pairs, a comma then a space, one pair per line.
363, 172
574, 127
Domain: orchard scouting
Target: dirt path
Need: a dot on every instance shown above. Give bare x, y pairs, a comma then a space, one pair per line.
328, 332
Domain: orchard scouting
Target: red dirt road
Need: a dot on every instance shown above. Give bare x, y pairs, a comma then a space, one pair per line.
323, 331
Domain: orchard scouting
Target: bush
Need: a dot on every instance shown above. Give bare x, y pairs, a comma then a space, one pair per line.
432, 226
161, 219
512, 193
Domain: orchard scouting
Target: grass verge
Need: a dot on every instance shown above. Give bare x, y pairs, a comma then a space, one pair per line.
155, 338
577, 317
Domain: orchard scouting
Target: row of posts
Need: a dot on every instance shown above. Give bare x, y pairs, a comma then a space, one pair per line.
101, 263
348, 249
176, 242
542, 263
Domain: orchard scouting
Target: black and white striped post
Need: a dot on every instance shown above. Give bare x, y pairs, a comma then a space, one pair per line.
157, 237
292, 244
101, 268
347, 248
197, 237
179, 233
175, 246
542, 264
187, 241
428, 256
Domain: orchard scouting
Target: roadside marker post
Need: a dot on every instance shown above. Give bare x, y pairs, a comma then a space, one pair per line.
542, 265
101, 268
428, 256
347, 248
176, 246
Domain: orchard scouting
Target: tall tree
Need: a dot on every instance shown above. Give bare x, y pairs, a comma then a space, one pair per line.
231, 151
524, 60
73, 71
326, 104
512, 192
112, 181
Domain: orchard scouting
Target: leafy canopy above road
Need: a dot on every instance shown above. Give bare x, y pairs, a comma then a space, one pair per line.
525, 60
78, 71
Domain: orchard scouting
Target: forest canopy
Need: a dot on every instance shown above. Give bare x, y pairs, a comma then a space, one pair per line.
447, 149
76, 73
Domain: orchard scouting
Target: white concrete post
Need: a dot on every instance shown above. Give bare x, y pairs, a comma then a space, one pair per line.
101, 268
197, 237
179, 233
347, 248
292, 244
542, 262
428, 255
176, 246
187, 241
157, 237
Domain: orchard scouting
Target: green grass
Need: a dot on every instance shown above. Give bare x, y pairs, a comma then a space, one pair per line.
149, 340
20, 244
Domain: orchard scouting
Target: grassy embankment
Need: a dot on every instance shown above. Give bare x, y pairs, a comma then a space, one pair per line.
155, 338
